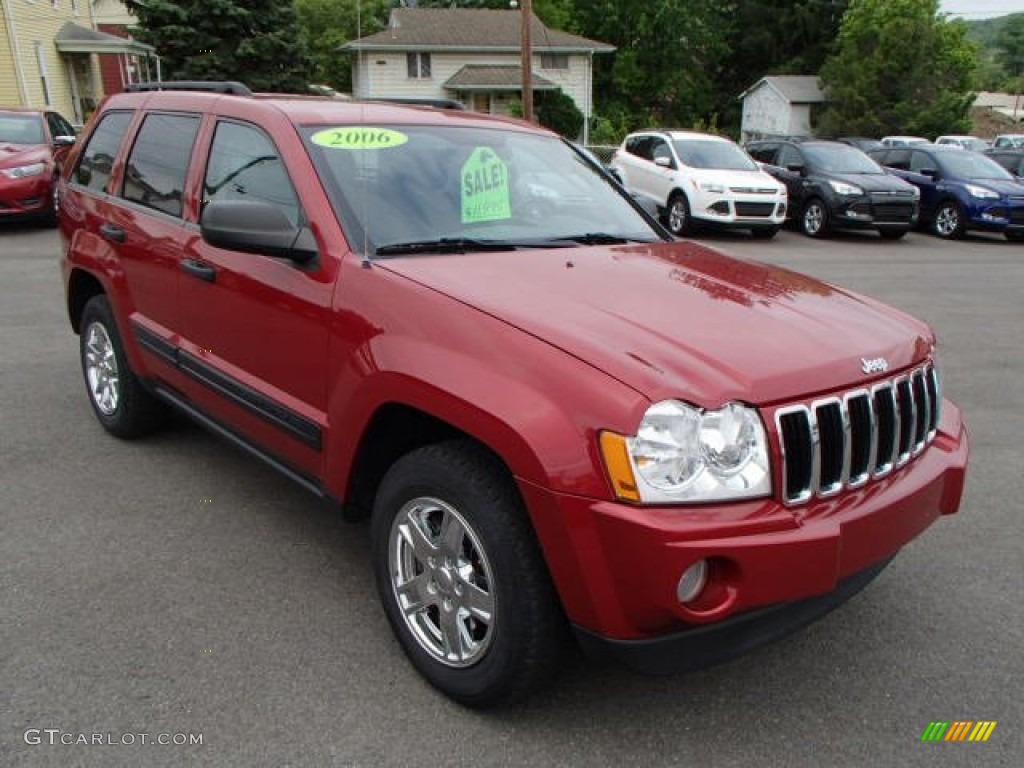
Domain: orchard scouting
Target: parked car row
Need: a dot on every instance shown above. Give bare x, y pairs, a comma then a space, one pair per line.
696, 181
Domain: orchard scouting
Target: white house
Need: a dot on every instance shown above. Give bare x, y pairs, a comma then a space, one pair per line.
472, 55
780, 105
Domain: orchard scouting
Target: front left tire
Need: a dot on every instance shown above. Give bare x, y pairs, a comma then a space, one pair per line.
461, 577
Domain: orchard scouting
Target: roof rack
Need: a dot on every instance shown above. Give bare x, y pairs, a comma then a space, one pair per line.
213, 86
436, 103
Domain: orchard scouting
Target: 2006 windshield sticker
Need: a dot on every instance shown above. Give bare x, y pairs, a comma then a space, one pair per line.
359, 137
485, 192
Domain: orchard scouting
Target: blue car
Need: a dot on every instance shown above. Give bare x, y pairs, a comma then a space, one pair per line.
960, 190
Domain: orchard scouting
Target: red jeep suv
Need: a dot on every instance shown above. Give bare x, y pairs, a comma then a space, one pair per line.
555, 415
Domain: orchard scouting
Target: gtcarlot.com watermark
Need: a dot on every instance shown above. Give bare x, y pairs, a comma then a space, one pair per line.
55, 736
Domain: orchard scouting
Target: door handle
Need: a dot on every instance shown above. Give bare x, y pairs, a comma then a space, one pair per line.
112, 233
198, 269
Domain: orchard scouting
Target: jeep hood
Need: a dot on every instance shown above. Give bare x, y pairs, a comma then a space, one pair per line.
680, 320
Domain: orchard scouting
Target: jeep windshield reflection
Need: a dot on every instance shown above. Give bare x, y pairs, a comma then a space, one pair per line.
402, 190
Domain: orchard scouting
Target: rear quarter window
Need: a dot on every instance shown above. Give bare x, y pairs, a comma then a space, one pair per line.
97, 159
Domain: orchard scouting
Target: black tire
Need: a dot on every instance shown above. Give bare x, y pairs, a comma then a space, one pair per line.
1014, 237
948, 221
496, 562
677, 218
893, 234
123, 406
764, 233
814, 218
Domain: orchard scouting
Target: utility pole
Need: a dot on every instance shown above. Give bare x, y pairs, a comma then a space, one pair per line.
527, 58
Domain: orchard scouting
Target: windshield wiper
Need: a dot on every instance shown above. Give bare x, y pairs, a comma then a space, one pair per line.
444, 245
601, 238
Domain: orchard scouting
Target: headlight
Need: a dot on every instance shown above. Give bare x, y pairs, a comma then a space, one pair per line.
23, 171
982, 193
709, 186
842, 188
685, 454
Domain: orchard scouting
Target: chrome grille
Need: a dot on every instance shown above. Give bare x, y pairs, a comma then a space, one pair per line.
846, 440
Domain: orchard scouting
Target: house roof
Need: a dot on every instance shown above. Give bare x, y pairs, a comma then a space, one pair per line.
72, 38
494, 78
796, 89
412, 29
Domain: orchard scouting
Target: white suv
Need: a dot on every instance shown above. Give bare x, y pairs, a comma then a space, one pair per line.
699, 179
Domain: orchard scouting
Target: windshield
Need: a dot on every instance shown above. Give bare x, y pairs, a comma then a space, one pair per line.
841, 159
421, 189
971, 165
718, 155
17, 128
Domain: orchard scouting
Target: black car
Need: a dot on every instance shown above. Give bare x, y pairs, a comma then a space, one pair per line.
836, 186
1011, 159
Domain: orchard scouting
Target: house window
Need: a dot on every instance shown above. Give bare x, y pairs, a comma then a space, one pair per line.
418, 65
554, 61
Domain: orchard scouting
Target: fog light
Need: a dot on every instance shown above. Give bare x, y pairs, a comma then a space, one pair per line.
692, 581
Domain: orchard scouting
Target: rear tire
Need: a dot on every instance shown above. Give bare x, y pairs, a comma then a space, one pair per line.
123, 406
461, 577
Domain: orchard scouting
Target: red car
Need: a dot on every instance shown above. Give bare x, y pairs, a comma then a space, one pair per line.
554, 414
32, 145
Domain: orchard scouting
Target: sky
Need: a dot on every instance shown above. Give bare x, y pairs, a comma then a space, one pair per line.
981, 9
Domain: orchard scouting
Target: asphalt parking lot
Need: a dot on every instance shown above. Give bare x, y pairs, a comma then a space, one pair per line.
176, 587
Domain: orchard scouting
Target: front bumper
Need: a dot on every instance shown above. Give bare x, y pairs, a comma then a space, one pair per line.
29, 196
1001, 216
617, 567
871, 212
739, 211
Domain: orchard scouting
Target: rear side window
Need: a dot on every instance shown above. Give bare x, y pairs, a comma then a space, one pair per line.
158, 164
97, 160
245, 165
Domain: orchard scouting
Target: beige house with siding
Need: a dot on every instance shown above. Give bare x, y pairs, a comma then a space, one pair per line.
49, 55
471, 55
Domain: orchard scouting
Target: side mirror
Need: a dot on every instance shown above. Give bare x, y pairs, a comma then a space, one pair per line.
663, 162
254, 226
63, 141
795, 167
931, 173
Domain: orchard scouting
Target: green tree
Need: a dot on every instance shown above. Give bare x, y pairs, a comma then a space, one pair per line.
557, 111
669, 60
1010, 46
329, 24
257, 42
899, 67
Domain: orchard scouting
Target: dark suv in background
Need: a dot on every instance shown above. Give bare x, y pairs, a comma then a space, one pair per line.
836, 186
960, 190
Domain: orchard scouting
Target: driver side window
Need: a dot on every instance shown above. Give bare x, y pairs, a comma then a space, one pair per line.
245, 165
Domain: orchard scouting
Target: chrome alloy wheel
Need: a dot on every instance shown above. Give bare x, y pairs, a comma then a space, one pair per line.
947, 220
101, 369
442, 581
814, 218
677, 216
